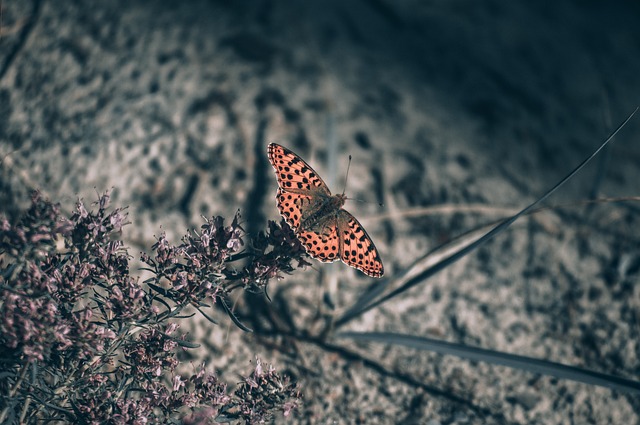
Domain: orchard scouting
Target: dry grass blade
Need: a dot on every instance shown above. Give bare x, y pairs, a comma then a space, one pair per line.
369, 301
528, 364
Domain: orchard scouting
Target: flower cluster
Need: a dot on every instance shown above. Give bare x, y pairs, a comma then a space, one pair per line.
201, 394
152, 351
274, 252
43, 282
195, 268
262, 391
96, 345
199, 268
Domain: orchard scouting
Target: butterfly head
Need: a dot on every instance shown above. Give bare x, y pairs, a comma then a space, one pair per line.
339, 200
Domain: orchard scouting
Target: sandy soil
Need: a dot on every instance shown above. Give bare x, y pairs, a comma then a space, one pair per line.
441, 104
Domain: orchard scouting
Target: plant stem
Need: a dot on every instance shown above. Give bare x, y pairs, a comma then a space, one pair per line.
12, 392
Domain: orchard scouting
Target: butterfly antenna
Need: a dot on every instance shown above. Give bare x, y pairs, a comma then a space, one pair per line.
346, 177
380, 204
345, 185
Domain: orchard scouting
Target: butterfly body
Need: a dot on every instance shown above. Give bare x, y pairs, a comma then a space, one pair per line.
327, 231
322, 213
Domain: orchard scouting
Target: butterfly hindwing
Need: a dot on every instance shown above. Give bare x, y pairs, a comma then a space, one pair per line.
322, 246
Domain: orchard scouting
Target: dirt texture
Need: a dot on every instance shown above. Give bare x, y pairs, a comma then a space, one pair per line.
473, 107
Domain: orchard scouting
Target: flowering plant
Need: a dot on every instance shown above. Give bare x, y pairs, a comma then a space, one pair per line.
83, 341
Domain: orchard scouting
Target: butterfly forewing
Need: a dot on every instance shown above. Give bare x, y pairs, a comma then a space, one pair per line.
326, 230
290, 206
357, 249
293, 173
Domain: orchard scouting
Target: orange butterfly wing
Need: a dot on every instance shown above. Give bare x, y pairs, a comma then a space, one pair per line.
290, 206
325, 248
300, 188
347, 241
293, 173
357, 249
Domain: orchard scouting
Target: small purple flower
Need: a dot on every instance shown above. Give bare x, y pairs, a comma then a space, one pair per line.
177, 383
81, 210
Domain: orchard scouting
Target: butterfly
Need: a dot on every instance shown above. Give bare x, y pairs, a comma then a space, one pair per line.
327, 231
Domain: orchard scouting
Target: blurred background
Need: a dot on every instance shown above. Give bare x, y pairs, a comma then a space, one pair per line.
440, 103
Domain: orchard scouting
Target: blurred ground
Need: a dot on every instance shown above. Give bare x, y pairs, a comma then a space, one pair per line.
440, 103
